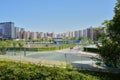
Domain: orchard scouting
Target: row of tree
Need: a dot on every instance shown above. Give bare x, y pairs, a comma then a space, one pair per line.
8, 43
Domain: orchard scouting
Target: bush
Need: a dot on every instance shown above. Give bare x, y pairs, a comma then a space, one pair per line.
27, 71
1, 52
110, 52
95, 50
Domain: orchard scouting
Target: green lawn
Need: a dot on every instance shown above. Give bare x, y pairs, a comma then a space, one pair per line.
48, 48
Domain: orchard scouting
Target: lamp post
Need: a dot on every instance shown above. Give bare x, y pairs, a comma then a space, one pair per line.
24, 48
65, 58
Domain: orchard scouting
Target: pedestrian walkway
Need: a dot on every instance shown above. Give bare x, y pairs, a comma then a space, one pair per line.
89, 65
32, 60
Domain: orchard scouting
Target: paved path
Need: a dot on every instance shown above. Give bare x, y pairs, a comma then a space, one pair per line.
78, 51
32, 60
88, 65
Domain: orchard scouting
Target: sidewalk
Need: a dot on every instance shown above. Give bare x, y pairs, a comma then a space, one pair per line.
88, 65
32, 60
78, 52
91, 66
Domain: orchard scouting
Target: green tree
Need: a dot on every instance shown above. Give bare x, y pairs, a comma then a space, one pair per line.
50, 40
20, 44
114, 27
4, 46
8, 42
41, 40
14, 45
84, 41
110, 50
73, 38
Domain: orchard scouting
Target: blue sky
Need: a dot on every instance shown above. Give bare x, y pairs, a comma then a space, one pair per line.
56, 15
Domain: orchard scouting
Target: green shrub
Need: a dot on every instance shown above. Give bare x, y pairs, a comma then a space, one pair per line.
1, 52
95, 50
47, 48
27, 71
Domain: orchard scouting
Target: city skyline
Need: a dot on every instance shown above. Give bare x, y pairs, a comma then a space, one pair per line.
8, 30
56, 16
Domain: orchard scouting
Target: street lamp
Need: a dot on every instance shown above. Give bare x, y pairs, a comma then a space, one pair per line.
24, 48
65, 58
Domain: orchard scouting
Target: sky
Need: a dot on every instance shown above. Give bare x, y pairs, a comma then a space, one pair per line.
56, 15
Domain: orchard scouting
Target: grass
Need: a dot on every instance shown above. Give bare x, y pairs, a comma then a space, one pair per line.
48, 48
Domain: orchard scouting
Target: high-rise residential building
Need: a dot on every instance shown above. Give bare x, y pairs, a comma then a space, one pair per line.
1, 32
49, 35
52, 35
70, 34
41, 35
90, 33
33, 36
73, 34
16, 33
78, 34
59, 35
63, 35
22, 33
28, 35
45, 35
38, 35
66, 35
7, 30
85, 33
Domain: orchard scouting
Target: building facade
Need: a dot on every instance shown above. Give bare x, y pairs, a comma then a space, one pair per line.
7, 30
